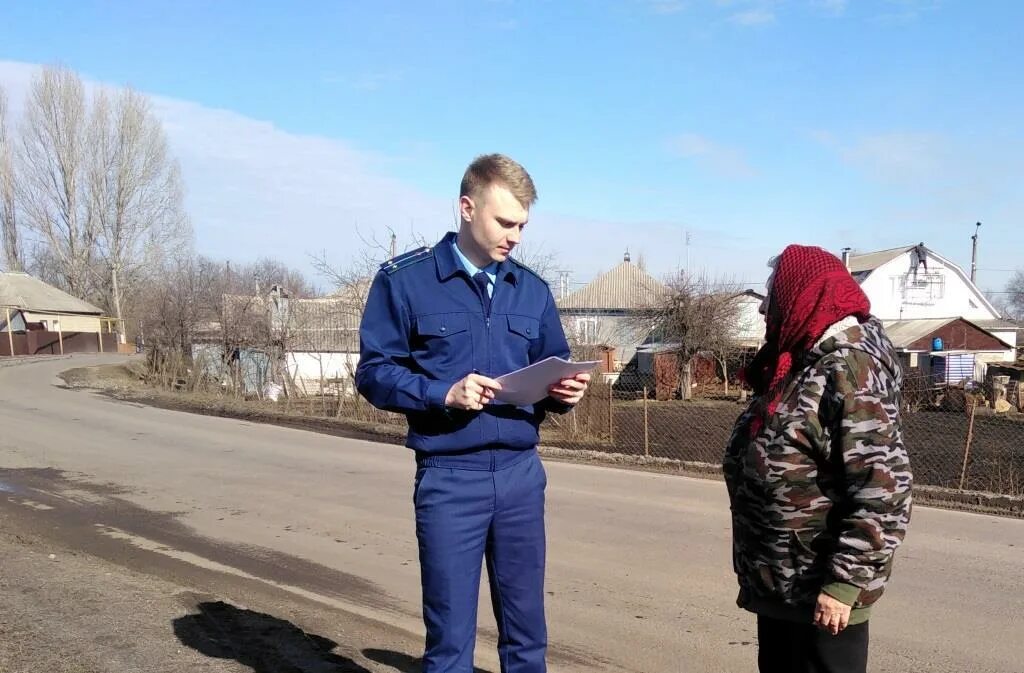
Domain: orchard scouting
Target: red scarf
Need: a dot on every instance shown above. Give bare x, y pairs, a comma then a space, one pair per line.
811, 290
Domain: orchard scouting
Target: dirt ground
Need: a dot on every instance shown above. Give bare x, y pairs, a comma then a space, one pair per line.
123, 608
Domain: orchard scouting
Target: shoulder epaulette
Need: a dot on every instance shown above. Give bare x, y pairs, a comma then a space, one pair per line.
527, 269
406, 259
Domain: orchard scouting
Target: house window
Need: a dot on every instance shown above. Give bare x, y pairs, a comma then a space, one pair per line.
586, 330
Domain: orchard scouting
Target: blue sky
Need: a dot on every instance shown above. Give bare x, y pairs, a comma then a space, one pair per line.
749, 123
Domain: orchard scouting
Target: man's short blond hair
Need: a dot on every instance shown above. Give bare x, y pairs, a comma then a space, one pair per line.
497, 169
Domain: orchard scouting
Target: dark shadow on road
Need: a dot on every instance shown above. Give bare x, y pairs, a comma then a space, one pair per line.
263, 642
401, 662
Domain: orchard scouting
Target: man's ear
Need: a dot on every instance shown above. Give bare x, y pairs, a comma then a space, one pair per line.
466, 209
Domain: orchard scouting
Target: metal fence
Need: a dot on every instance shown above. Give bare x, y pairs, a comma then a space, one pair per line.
954, 438
953, 434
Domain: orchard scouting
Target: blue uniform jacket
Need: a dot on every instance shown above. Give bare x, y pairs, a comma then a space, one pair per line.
425, 328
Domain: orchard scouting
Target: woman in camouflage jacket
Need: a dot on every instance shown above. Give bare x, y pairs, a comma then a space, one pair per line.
818, 476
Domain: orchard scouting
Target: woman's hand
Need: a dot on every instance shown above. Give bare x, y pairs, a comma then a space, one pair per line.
830, 614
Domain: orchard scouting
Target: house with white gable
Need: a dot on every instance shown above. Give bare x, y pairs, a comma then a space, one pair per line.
936, 316
614, 311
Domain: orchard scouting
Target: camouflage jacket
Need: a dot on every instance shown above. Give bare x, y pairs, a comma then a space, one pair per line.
821, 495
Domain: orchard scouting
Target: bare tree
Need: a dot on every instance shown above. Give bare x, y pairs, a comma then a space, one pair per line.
52, 185
8, 219
267, 272
1014, 294
352, 282
177, 301
135, 195
541, 260
699, 315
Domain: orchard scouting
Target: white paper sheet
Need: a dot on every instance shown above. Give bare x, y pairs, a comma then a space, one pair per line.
529, 385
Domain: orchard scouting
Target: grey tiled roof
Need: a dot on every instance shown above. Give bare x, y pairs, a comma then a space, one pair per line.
625, 287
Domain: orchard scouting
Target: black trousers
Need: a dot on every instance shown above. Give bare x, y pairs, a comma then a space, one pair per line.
793, 647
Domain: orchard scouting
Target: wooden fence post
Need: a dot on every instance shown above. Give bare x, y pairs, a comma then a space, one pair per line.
967, 446
647, 443
611, 414
10, 332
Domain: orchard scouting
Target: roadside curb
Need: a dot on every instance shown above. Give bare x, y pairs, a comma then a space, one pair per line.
8, 361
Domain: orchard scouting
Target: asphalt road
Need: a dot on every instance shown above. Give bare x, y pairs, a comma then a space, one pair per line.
184, 543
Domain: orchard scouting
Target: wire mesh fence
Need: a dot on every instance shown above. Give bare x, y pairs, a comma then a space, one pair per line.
954, 436
953, 433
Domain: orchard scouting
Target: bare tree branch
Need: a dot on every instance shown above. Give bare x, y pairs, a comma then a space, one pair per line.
8, 218
52, 184
135, 194
699, 316
1015, 296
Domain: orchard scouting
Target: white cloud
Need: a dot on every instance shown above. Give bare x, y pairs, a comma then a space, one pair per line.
836, 7
666, 6
906, 11
722, 159
757, 16
940, 185
901, 157
254, 189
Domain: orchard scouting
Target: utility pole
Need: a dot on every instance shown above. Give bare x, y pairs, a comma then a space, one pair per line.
974, 253
394, 245
563, 284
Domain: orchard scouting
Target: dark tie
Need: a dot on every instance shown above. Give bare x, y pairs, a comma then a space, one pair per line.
482, 282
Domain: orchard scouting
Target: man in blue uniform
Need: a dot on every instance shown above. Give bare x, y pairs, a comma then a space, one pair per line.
440, 325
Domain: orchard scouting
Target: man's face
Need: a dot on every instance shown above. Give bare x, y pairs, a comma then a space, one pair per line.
492, 225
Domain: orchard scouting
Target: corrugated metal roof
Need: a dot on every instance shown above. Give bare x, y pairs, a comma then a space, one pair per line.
626, 287
324, 325
902, 333
998, 325
20, 290
869, 261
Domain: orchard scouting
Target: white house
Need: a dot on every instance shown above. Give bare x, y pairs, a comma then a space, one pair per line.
750, 325
315, 341
916, 282
920, 294
322, 345
610, 310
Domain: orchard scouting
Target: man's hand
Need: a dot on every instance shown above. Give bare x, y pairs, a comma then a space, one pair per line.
471, 393
570, 391
830, 614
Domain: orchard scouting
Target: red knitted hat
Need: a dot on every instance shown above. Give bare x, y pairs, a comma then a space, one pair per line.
811, 290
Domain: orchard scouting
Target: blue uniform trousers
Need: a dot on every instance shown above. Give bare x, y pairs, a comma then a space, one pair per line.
486, 505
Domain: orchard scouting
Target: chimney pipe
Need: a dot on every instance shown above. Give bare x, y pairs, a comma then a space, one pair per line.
846, 258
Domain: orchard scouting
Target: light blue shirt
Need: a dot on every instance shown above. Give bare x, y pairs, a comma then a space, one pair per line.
491, 269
